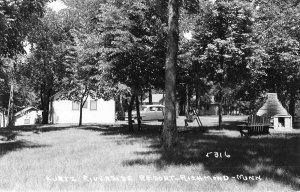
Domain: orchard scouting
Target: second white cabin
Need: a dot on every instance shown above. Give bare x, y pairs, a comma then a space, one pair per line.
94, 111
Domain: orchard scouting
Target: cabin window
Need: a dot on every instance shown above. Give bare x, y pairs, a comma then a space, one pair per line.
75, 105
26, 121
93, 105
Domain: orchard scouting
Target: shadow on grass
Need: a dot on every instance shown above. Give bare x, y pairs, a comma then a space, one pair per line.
7, 147
273, 157
9, 135
228, 125
39, 128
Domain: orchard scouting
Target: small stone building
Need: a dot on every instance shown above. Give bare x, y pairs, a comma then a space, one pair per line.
282, 120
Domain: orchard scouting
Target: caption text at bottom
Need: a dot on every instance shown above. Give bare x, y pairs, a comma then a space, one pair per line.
149, 178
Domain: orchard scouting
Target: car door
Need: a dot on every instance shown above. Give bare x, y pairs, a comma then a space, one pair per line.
151, 113
159, 113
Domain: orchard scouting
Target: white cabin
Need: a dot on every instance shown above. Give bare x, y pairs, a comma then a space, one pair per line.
93, 111
27, 116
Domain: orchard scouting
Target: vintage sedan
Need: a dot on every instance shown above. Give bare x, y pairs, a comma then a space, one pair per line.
150, 112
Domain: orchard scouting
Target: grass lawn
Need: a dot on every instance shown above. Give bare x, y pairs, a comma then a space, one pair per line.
109, 158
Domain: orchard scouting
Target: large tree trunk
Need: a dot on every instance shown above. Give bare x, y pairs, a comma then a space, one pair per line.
220, 111
292, 103
80, 113
82, 102
197, 100
138, 115
198, 96
130, 113
10, 113
121, 109
169, 134
150, 96
46, 93
187, 106
221, 83
50, 119
41, 94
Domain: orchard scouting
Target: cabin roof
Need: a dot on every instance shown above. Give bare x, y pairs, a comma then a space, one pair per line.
272, 106
25, 109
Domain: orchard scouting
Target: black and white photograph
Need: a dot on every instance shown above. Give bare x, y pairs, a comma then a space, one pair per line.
150, 95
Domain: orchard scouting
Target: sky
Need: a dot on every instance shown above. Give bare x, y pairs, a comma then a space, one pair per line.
27, 47
188, 35
57, 5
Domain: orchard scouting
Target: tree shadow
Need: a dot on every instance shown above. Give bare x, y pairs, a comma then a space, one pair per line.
271, 158
60, 127
274, 157
39, 128
148, 131
6, 147
51, 129
228, 125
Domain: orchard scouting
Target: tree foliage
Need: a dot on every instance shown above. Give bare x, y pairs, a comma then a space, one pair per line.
223, 44
239, 51
16, 20
278, 30
132, 39
48, 60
